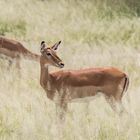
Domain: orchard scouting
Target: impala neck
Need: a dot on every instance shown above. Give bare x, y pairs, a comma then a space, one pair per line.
33, 56
44, 75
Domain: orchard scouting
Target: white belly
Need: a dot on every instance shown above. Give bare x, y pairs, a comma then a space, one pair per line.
86, 99
79, 94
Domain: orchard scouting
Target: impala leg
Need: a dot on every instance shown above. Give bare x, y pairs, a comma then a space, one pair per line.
116, 105
64, 108
61, 109
17, 64
10, 64
111, 102
60, 121
87, 104
118, 100
121, 108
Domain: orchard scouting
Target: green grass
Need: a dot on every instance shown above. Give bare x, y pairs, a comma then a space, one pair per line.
94, 33
17, 28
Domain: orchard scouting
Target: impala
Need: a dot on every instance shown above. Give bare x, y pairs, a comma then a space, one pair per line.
15, 50
68, 86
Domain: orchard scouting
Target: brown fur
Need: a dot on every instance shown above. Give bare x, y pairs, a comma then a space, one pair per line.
15, 50
67, 85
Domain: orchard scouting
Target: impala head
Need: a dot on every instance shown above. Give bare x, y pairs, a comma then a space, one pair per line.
49, 56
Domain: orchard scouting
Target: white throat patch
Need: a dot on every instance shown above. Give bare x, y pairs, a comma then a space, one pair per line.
46, 65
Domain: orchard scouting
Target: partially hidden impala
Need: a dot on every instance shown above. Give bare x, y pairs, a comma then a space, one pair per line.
14, 50
66, 86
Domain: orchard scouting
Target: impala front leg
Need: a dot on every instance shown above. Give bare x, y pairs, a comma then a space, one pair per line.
61, 109
10, 62
17, 63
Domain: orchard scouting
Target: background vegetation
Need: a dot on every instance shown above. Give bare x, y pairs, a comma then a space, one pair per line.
94, 33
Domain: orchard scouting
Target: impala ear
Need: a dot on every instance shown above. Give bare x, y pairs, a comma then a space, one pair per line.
43, 45
55, 46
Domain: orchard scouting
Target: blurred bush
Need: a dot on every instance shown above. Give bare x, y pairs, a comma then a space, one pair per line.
17, 28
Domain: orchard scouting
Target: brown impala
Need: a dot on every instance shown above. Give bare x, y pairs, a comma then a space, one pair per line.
72, 85
15, 50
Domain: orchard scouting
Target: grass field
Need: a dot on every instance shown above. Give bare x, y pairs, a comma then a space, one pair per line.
94, 33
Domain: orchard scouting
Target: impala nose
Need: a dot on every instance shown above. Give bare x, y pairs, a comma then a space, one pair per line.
61, 65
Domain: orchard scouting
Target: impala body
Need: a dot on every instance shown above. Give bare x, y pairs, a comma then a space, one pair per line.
86, 83
79, 85
14, 50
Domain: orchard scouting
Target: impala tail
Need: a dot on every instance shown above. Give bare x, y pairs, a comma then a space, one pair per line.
126, 84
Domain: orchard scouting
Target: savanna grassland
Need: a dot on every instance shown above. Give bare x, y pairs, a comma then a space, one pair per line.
94, 33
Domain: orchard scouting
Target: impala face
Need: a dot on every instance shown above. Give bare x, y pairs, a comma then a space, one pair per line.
49, 56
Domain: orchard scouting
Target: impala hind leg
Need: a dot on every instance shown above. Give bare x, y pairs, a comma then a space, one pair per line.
120, 109
118, 98
111, 102
116, 105
17, 64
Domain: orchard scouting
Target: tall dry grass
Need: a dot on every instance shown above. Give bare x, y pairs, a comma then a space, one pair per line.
94, 34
